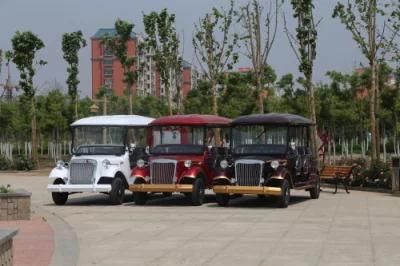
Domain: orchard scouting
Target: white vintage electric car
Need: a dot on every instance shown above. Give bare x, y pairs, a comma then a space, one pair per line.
104, 150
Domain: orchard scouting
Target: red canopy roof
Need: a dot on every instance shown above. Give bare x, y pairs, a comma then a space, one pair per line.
191, 120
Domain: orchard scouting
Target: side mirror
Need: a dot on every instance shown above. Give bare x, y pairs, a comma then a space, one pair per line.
147, 150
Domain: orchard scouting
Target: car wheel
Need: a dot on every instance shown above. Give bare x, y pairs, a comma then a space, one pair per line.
140, 198
222, 199
198, 192
284, 198
187, 194
117, 191
167, 194
314, 192
59, 198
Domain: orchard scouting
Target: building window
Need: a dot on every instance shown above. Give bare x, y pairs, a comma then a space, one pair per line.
108, 82
108, 62
108, 51
108, 72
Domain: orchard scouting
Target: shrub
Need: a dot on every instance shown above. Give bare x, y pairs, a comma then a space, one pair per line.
23, 163
5, 189
5, 164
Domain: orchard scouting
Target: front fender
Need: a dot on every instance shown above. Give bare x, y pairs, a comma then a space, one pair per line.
138, 174
192, 172
110, 170
58, 172
280, 173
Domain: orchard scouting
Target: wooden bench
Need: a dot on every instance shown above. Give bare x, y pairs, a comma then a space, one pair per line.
335, 174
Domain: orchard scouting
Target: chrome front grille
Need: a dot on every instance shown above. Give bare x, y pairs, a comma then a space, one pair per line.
163, 171
82, 171
248, 172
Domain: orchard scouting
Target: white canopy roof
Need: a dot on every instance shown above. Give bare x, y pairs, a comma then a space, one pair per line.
114, 120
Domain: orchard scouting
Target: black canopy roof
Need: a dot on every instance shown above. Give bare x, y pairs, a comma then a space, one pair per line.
272, 118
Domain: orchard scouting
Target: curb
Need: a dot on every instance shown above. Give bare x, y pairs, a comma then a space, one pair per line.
66, 244
365, 189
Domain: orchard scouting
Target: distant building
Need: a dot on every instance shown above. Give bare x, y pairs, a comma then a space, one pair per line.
107, 70
363, 91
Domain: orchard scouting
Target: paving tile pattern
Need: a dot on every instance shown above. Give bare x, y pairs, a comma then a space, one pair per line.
361, 228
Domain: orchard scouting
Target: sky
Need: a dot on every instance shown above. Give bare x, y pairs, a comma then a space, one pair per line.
49, 19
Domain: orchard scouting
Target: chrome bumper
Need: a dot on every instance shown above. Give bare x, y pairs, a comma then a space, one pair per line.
79, 188
252, 190
160, 188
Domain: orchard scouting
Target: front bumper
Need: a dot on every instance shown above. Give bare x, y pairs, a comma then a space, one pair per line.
161, 188
252, 190
79, 188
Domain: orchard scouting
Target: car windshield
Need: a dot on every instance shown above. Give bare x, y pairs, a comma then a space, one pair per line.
166, 149
178, 135
259, 139
117, 150
98, 136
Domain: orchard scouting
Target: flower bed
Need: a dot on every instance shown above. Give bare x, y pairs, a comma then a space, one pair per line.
6, 247
15, 205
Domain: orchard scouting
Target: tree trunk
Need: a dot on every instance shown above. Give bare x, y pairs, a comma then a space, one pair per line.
34, 155
313, 116
215, 110
373, 112
130, 102
260, 94
76, 107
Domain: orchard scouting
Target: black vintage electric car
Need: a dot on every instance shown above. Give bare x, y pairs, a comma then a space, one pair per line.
270, 154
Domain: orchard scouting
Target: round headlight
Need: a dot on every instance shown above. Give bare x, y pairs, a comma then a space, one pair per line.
223, 164
60, 164
140, 163
188, 163
275, 164
106, 163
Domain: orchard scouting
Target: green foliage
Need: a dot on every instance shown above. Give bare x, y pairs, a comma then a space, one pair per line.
23, 163
306, 34
71, 44
215, 54
5, 189
25, 46
162, 40
238, 98
119, 45
5, 164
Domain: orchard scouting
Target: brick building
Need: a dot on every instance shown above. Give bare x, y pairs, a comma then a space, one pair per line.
107, 70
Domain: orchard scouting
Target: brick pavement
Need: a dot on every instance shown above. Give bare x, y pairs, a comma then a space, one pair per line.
34, 243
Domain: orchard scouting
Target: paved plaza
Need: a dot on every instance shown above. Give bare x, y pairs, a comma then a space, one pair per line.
361, 228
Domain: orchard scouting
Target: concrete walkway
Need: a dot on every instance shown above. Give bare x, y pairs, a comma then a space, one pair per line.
361, 228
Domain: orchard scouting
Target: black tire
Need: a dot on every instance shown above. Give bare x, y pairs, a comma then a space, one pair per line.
314, 192
188, 194
167, 194
284, 198
222, 199
140, 198
59, 198
261, 196
198, 192
117, 192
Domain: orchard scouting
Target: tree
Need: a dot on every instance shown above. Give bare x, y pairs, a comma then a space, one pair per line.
162, 40
361, 18
257, 44
71, 44
119, 45
25, 46
214, 54
304, 45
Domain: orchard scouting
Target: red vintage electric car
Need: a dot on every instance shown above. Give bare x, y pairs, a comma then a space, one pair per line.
186, 149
